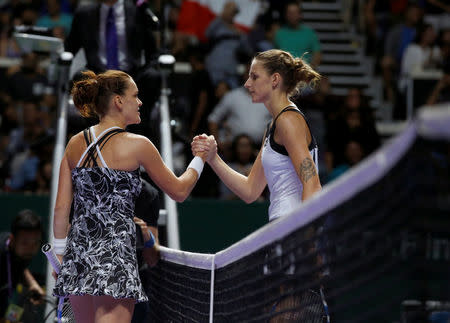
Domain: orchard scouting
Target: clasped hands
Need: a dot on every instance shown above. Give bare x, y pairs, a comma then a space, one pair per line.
204, 146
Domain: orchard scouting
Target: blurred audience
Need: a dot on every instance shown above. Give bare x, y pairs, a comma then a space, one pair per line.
355, 120
8, 46
55, 18
441, 91
438, 13
230, 117
17, 249
201, 93
296, 38
353, 154
397, 40
243, 154
262, 36
421, 54
114, 35
27, 80
213, 100
322, 99
228, 46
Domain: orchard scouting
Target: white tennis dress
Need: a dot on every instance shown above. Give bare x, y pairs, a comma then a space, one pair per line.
284, 185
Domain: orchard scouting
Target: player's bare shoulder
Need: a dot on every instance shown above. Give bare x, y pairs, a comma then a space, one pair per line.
75, 148
291, 120
137, 143
135, 139
139, 147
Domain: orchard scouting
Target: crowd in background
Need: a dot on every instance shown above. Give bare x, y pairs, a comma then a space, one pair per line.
402, 37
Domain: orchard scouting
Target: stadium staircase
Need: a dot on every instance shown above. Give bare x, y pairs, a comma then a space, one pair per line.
343, 59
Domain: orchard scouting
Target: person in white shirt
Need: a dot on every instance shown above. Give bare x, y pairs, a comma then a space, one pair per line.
229, 118
422, 54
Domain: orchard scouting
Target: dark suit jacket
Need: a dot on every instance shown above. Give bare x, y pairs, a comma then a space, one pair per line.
85, 34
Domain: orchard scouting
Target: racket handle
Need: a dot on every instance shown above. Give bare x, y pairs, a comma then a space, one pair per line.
48, 250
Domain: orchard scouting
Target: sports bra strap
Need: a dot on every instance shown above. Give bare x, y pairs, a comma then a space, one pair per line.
279, 148
93, 148
288, 108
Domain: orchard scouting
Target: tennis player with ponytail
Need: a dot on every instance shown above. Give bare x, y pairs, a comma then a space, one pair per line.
100, 171
287, 161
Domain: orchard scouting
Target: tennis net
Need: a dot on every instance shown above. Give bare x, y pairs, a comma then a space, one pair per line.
376, 236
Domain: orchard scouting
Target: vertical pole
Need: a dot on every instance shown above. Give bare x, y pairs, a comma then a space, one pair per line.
211, 292
173, 239
64, 61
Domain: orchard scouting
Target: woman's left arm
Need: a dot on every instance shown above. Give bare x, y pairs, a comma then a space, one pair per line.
292, 132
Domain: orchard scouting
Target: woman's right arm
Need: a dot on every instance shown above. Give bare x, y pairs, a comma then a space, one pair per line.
178, 188
248, 188
63, 201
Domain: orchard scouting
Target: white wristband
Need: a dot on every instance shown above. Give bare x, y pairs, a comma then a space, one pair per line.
197, 164
59, 245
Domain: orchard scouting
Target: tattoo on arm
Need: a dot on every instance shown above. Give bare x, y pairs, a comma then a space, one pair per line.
307, 169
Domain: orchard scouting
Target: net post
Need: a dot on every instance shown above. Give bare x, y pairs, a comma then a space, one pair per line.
211, 292
166, 63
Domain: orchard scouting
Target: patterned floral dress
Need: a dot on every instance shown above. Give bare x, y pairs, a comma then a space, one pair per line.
100, 255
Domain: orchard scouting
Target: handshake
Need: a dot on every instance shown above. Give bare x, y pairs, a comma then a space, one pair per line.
205, 147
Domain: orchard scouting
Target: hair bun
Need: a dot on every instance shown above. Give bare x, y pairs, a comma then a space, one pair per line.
84, 93
305, 73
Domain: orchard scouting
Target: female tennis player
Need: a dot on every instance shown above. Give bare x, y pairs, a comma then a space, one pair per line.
100, 171
287, 161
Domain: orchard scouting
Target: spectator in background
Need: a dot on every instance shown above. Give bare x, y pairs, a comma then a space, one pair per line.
48, 106
8, 46
243, 155
438, 13
230, 116
17, 248
121, 48
67, 6
27, 80
176, 40
8, 122
444, 46
296, 38
397, 40
29, 169
55, 17
29, 130
262, 35
376, 23
355, 120
21, 12
201, 93
29, 14
441, 91
322, 99
420, 55
220, 90
353, 154
227, 43
268, 42
43, 177
201, 97
9, 118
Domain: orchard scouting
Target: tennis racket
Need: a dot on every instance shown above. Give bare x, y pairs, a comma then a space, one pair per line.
64, 310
